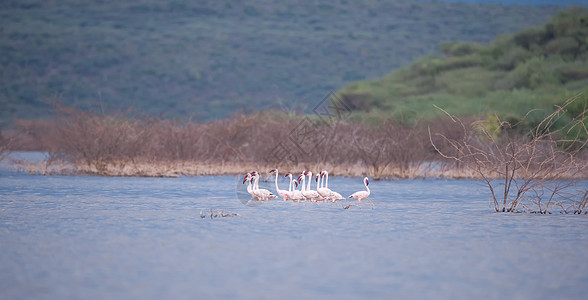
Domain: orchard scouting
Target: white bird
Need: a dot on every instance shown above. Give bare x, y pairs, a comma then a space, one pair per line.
361, 195
308, 193
317, 177
282, 193
289, 175
324, 191
249, 188
296, 194
328, 193
262, 194
302, 180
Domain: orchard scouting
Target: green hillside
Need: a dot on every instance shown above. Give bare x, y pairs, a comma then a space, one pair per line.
208, 59
534, 68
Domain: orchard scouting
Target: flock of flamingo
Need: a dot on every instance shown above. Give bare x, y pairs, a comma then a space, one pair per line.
322, 192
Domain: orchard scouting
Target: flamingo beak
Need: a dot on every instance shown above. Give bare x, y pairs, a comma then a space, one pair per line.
367, 182
272, 170
288, 174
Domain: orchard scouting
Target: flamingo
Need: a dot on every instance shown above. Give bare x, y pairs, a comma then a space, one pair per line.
302, 179
290, 186
308, 193
325, 192
249, 188
328, 193
317, 177
282, 193
361, 195
262, 194
296, 194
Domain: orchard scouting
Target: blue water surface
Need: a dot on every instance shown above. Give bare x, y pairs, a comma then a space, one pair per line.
89, 237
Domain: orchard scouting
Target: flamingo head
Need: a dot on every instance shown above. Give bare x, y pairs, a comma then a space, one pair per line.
295, 182
300, 177
254, 173
288, 175
305, 173
316, 178
273, 170
367, 181
247, 176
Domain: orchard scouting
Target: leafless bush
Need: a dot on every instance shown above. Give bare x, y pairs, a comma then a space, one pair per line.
532, 173
387, 145
104, 142
115, 144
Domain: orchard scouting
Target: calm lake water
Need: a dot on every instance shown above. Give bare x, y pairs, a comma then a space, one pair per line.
87, 237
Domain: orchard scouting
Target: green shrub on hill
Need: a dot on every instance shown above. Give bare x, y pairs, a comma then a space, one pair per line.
535, 68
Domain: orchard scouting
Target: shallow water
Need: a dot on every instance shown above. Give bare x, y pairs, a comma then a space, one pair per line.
90, 237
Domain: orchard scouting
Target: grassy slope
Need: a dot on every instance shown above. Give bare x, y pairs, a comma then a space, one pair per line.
534, 68
207, 59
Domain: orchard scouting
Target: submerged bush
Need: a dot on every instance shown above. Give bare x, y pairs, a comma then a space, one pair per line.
534, 173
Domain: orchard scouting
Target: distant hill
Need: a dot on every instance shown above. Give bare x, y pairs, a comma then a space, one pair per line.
208, 59
536, 67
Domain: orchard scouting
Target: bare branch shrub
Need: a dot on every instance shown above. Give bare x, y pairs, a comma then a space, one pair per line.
530, 173
399, 146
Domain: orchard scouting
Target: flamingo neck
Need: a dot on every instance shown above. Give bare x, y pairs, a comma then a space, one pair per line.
326, 179
256, 183
277, 188
303, 183
309, 180
290, 186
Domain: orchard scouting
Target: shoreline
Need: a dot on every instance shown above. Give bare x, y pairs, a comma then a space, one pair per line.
191, 168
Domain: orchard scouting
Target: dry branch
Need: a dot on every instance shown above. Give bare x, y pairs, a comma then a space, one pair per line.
537, 169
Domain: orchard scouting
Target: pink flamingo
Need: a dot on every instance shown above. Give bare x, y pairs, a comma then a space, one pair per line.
293, 193
249, 188
328, 193
308, 193
262, 194
317, 177
282, 193
325, 192
361, 195
302, 180
296, 194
